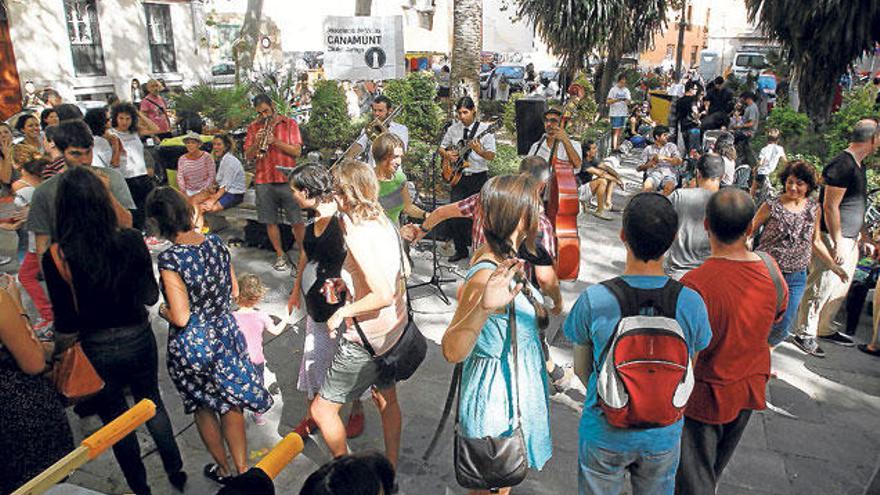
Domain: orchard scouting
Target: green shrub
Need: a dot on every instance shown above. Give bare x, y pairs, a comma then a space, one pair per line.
857, 104
793, 125
421, 114
494, 109
329, 126
417, 164
506, 160
508, 116
226, 109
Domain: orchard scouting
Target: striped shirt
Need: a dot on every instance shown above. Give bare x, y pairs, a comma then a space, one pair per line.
195, 175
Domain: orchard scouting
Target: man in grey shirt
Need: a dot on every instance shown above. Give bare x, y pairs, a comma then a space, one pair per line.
74, 141
691, 245
747, 130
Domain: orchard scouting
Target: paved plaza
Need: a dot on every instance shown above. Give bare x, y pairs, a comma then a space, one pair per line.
821, 437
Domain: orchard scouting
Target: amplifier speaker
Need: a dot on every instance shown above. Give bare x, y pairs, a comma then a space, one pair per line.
529, 122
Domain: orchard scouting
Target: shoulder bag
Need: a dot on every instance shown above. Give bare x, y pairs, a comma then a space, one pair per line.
72, 373
405, 356
491, 463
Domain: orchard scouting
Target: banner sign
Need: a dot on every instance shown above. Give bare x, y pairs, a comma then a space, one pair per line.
363, 48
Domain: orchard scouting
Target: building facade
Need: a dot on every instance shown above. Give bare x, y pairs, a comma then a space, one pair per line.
89, 49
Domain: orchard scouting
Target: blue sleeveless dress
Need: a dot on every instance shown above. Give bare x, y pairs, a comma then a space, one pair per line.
485, 406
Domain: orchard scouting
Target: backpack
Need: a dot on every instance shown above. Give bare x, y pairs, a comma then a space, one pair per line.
645, 373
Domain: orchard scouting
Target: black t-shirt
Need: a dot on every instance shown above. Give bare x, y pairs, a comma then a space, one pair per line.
326, 255
720, 100
684, 113
843, 171
99, 306
583, 176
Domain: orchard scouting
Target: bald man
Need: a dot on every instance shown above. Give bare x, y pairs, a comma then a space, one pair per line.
844, 199
730, 376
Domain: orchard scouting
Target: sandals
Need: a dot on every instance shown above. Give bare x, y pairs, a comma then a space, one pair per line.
864, 348
212, 472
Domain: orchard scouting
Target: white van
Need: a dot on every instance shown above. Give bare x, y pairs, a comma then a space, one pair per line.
745, 63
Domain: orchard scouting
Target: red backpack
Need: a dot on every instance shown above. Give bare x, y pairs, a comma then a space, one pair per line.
645, 373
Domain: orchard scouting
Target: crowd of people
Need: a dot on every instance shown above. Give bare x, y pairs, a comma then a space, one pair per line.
671, 419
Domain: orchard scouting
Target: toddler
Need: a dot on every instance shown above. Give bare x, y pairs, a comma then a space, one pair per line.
252, 322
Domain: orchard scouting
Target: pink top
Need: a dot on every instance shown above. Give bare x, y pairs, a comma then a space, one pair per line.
154, 107
252, 323
195, 175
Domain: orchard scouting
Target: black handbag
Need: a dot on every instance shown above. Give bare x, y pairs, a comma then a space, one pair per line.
491, 463
407, 354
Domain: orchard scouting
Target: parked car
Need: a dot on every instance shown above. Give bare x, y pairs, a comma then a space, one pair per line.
748, 63
223, 74
515, 75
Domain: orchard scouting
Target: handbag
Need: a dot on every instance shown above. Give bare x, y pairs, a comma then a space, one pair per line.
72, 373
491, 463
407, 354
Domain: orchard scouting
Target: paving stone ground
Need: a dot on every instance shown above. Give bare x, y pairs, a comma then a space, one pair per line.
823, 439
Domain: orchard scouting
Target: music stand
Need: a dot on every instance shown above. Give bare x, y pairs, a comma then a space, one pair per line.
435, 281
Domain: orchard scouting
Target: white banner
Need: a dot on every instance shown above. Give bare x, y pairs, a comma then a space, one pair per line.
363, 48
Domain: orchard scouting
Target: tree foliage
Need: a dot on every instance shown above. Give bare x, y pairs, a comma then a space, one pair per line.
421, 114
329, 126
227, 108
574, 29
821, 38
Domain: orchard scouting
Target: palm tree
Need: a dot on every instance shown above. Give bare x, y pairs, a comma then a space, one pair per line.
821, 38
573, 30
467, 42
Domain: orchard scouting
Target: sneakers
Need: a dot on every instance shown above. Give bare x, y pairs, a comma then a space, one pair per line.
839, 339
281, 264
808, 345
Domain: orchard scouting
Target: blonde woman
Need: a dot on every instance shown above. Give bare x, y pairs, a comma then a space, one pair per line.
376, 303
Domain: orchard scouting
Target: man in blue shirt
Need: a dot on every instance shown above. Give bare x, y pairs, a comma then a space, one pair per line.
606, 452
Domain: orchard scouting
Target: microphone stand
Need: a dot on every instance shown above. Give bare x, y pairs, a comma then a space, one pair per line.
435, 281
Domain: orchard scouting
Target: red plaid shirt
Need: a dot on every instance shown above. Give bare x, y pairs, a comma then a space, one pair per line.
287, 132
470, 208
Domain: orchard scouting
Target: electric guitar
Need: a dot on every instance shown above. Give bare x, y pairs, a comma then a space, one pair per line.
452, 171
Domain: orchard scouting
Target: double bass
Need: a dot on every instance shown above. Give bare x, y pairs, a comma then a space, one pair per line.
563, 208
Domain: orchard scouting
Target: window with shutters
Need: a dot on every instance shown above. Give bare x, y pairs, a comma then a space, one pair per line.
160, 37
85, 37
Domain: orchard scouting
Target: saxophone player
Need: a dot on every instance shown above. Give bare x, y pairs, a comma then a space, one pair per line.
274, 140
381, 108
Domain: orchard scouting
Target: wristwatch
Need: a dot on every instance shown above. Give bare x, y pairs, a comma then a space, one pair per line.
423, 228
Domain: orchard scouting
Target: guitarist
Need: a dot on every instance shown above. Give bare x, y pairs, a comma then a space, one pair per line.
478, 155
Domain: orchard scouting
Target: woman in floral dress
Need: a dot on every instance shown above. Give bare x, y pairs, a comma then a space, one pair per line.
207, 355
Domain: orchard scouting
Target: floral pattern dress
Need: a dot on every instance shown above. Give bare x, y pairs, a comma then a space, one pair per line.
208, 360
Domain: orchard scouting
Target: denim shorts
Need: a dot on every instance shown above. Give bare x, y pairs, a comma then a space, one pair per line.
352, 372
618, 122
229, 200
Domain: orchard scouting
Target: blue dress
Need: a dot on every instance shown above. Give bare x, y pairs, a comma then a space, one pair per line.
208, 360
485, 406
